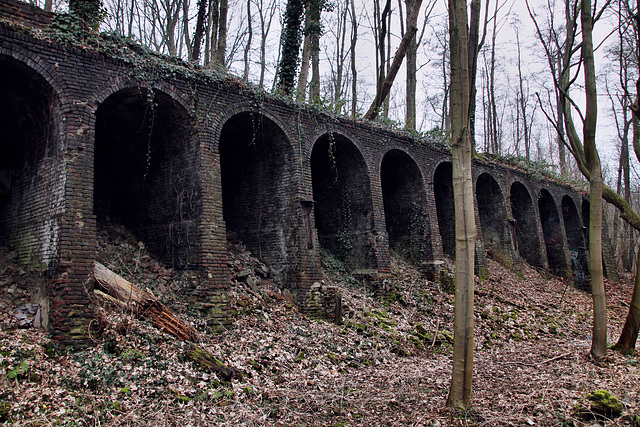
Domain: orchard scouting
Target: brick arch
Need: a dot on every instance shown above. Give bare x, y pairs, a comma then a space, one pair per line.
328, 128
40, 67
233, 110
146, 171
575, 241
495, 222
552, 233
259, 178
572, 224
404, 149
343, 200
32, 174
443, 192
527, 235
120, 83
405, 206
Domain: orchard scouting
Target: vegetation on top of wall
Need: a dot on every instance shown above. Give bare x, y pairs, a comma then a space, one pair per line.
149, 67
534, 169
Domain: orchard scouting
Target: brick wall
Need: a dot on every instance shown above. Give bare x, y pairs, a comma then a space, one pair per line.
188, 163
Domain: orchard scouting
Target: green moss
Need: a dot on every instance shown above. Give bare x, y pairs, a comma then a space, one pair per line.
604, 402
131, 354
255, 365
335, 359
20, 371
5, 410
483, 273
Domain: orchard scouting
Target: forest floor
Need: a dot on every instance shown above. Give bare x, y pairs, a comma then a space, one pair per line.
385, 365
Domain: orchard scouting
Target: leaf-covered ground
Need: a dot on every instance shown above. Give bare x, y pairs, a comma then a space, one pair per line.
387, 364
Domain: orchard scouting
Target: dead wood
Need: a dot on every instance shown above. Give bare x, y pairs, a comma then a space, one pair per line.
207, 362
533, 365
143, 303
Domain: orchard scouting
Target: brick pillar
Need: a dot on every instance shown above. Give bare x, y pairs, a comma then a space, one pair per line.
70, 307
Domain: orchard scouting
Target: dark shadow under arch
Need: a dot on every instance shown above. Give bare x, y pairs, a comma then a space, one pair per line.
494, 221
343, 206
147, 172
405, 207
258, 185
443, 191
31, 170
524, 214
552, 232
575, 240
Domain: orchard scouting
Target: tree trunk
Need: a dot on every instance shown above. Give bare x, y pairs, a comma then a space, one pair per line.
199, 33
461, 150
354, 70
144, 303
599, 342
306, 55
385, 87
291, 36
412, 51
315, 31
222, 34
87, 10
472, 51
247, 49
629, 334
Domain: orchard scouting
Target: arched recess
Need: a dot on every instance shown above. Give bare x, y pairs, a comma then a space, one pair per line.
443, 191
524, 214
552, 232
494, 221
147, 172
575, 240
405, 208
258, 185
342, 196
31, 171
572, 224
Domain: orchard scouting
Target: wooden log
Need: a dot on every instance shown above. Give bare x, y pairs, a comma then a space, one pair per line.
205, 361
143, 303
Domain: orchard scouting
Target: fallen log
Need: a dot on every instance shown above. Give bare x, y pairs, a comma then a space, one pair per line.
143, 303
125, 294
208, 363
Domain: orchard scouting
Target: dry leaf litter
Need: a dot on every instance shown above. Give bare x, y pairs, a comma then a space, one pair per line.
387, 364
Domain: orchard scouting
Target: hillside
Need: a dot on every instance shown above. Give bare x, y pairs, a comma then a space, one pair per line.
387, 364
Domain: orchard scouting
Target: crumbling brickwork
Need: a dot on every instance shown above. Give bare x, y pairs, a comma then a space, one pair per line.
187, 162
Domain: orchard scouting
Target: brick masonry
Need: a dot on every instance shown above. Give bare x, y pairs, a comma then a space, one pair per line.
186, 163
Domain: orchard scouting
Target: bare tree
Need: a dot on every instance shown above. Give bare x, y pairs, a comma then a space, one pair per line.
266, 12
412, 53
461, 151
387, 82
354, 70
584, 148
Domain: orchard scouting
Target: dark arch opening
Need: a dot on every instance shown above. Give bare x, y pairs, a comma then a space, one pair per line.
146, 172
572, 224
524, 214
575, 240
342, 195
405, 208
443, 191
494, 221
31, 173
258, 184
552, 233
